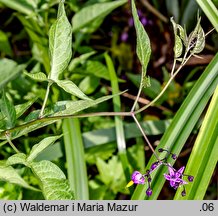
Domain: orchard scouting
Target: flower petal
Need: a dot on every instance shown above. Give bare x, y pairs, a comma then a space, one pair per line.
171, 171
179, 172
138, 178
167, 177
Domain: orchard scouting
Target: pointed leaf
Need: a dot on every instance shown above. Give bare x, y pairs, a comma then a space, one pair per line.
53, 181
38, 148
143, 46
72, 107
183, 35
39, 76
71, 88
60, 43
178, 46
9, 174
9, 70
19, 158
200, 43
79, 60
76, 106
8, 111
90, 13
194, 34
22, 108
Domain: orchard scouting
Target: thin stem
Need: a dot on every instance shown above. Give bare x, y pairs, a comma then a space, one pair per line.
45, 100
136, 99
165, 87
145, 137
59, 117
10, 142
173, 68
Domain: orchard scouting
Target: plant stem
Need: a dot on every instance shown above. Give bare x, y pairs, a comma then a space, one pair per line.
10, 142
45, 100
165, 87
145, 137
137, 97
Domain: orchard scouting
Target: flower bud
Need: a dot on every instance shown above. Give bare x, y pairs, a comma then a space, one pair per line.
149, 192
154, 166
191, 178
149, 179
183, 193
174, 156
160, 150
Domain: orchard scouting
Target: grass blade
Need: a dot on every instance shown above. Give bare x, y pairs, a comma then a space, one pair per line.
121, 143
210, 10
203, 159
75, 157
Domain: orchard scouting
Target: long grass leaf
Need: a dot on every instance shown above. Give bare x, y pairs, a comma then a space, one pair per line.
204, 156
121, 143
75, 157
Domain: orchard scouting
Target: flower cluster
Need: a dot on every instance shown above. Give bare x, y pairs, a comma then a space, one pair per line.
175, 177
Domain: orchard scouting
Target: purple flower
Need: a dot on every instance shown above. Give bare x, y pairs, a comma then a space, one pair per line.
138, 178
175, 177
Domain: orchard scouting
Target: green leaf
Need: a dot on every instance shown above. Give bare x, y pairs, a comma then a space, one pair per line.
93, 12
71, 88
211, 11
143, 46
72, 107
9, 174
9, 70
89, 84
60, 43
183, 35
97, 69
38, 148
193, 37
76, 106
8, 111
38, 36
5, 46
79, 60
23, 6
200, 41
19, 158
22, 108
204, 156
111, 174
178, 46
39, 76
53, 181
